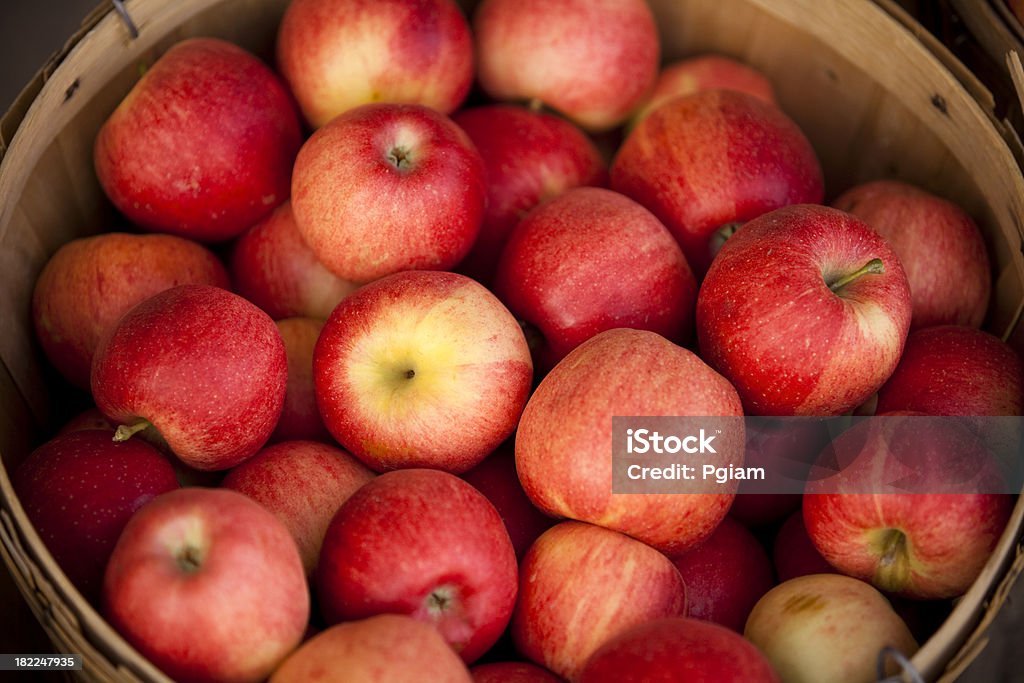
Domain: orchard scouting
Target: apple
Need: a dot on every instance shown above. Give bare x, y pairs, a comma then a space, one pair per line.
681, 650
423, 543
939, 245
79, 489
90, 418
512, 672
203, 145
805, 310
725, 575
793, 552
529, 157
90, 282
208, 586
564, 442
303, 483
200, 365
592, 260
496, 478
388, 648
339, 54
708, 162
916, 508
955, 370
581, 585
826, 627
421, 369
594, 62
706, 72
273, 267
300, 416
388, 187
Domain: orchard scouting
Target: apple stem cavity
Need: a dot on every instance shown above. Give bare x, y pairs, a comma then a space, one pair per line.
872, 267
190, 559
893, 572
400, 158
440, 600
125, 432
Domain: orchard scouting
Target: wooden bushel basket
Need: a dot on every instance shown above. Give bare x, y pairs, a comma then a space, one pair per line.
876, 96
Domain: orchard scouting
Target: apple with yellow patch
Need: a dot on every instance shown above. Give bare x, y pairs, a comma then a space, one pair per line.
805, 310
421, 369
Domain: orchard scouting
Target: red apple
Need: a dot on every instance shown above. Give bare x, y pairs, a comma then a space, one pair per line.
303, 483
273, 267
564, 441
421, 369
793, 552
203, 145
706, 72
90, 418
592, 260
339, 54
388, 648
208, 586
581, 585
530, 157
680, 650
594, 62
388, 187
916, 508
79, 489
300, 416
512, 672
939, 245
711, 570
423, 543
827, 627
203, 366
708, 162
954, 370
496, 478
805, 310
91, 282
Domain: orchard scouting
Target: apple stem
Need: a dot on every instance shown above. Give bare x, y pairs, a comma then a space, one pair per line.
893, 572
872, 267
125, 432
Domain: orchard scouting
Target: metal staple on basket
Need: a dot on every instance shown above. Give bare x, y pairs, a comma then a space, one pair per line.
122, 12
906, 666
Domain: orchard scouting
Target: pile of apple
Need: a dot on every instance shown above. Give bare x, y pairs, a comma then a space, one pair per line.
432, 311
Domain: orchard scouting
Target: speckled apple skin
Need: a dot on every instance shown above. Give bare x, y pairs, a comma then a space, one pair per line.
303, 483
681, 650
364, 217
593, 61
592, 260
204, 366
715, 158
955, 370
530, 157
564, 439
203, 145
91, 282
79, 490
388, 648
340, 54
767, 320
409, 533
472, 372
581, 585
939, 245
233, 617
275, 269
710, 570
512, 672
300, 415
